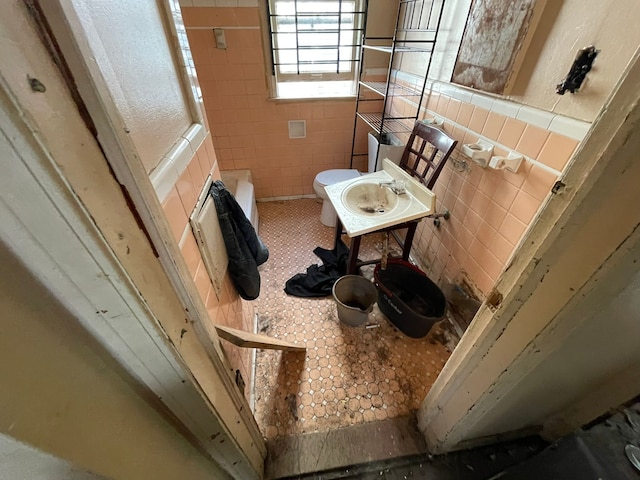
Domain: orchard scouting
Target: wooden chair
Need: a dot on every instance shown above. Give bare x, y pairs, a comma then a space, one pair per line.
424, 157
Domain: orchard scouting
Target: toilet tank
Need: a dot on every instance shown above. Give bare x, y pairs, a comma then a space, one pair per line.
391, 148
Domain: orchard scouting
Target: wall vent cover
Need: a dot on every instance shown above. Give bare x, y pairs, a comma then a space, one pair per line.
297, 129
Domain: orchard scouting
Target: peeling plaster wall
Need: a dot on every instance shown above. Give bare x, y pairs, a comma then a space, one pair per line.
564, 28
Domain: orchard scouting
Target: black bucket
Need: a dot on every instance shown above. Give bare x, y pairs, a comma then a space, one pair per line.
408, 298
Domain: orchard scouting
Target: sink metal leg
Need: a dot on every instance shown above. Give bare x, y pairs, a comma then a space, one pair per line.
408, 240
338, 234
353, 255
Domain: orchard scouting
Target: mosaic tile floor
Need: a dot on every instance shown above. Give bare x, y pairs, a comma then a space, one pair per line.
347, 375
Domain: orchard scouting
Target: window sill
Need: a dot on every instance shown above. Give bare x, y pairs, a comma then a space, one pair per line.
296, 91
311, 99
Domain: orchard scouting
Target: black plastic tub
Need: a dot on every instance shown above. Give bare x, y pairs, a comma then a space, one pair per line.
408, 298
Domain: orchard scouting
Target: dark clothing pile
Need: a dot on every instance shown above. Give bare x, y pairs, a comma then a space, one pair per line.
244, 248
319, 279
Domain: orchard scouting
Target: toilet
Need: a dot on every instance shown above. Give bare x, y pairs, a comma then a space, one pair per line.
329, 177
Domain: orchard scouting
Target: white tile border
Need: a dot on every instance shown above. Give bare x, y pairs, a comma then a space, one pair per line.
508, 109
168, 171
556, 123
482, 101
569, 127
536, 117
431, 113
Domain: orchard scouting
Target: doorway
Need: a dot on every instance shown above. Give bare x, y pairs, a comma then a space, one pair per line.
454, 385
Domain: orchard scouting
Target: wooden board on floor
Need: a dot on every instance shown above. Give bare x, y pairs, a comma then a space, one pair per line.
254, 340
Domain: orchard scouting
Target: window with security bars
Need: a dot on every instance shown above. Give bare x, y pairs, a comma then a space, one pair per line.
316, 40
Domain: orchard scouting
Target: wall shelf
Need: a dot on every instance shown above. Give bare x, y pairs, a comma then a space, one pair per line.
400, 95
387, 125
382, 88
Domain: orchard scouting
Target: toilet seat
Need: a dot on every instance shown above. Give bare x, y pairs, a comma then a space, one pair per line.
336, 175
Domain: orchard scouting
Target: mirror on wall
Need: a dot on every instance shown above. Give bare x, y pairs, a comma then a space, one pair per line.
495, 40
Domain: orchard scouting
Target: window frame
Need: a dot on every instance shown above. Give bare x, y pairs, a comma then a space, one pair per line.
355, 31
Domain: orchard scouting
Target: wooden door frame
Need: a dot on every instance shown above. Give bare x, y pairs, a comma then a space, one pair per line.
81, 184
458, 398
536, 300
47, 227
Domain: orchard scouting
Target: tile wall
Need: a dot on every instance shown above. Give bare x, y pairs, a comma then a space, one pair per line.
490, 209
251, 132
228, 309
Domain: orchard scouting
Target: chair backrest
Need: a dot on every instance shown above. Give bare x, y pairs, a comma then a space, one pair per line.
426, 153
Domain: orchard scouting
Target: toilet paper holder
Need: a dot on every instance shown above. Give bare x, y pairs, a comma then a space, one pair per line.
480, 152
511, 162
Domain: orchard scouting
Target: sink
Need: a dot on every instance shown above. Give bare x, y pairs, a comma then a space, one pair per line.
363, 205
369, 198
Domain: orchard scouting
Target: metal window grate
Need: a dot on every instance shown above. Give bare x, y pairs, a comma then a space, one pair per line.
317, 39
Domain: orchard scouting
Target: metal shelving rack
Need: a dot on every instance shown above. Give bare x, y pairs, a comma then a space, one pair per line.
415, 35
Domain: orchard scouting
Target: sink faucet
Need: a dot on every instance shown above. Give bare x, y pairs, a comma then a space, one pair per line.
396, 186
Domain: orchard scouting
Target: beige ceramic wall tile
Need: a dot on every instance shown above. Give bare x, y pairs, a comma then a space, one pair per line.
493, 125
532, 140
464, 114
187, 191
501, 248
557, 151
175, 213
524, 207
191, 253
539, 182
478, 119
512, 228
511, 132
201, 279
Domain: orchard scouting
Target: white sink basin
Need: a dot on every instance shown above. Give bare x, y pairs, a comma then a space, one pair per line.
367, 197
364, 206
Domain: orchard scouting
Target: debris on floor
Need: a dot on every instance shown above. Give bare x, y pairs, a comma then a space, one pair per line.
348, 376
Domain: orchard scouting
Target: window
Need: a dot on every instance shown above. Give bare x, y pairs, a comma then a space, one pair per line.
315, 46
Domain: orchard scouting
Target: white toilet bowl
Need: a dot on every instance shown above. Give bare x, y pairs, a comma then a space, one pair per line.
329, 177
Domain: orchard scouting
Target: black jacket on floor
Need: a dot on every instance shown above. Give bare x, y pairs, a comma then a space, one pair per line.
319, 279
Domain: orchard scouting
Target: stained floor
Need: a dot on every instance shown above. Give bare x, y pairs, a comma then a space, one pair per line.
347, 376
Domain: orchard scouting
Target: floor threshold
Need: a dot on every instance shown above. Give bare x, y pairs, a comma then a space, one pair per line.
296, 455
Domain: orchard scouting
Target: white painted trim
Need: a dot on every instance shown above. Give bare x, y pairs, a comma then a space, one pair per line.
165, 175
186, 68
47, 228
536, 117
231, 406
